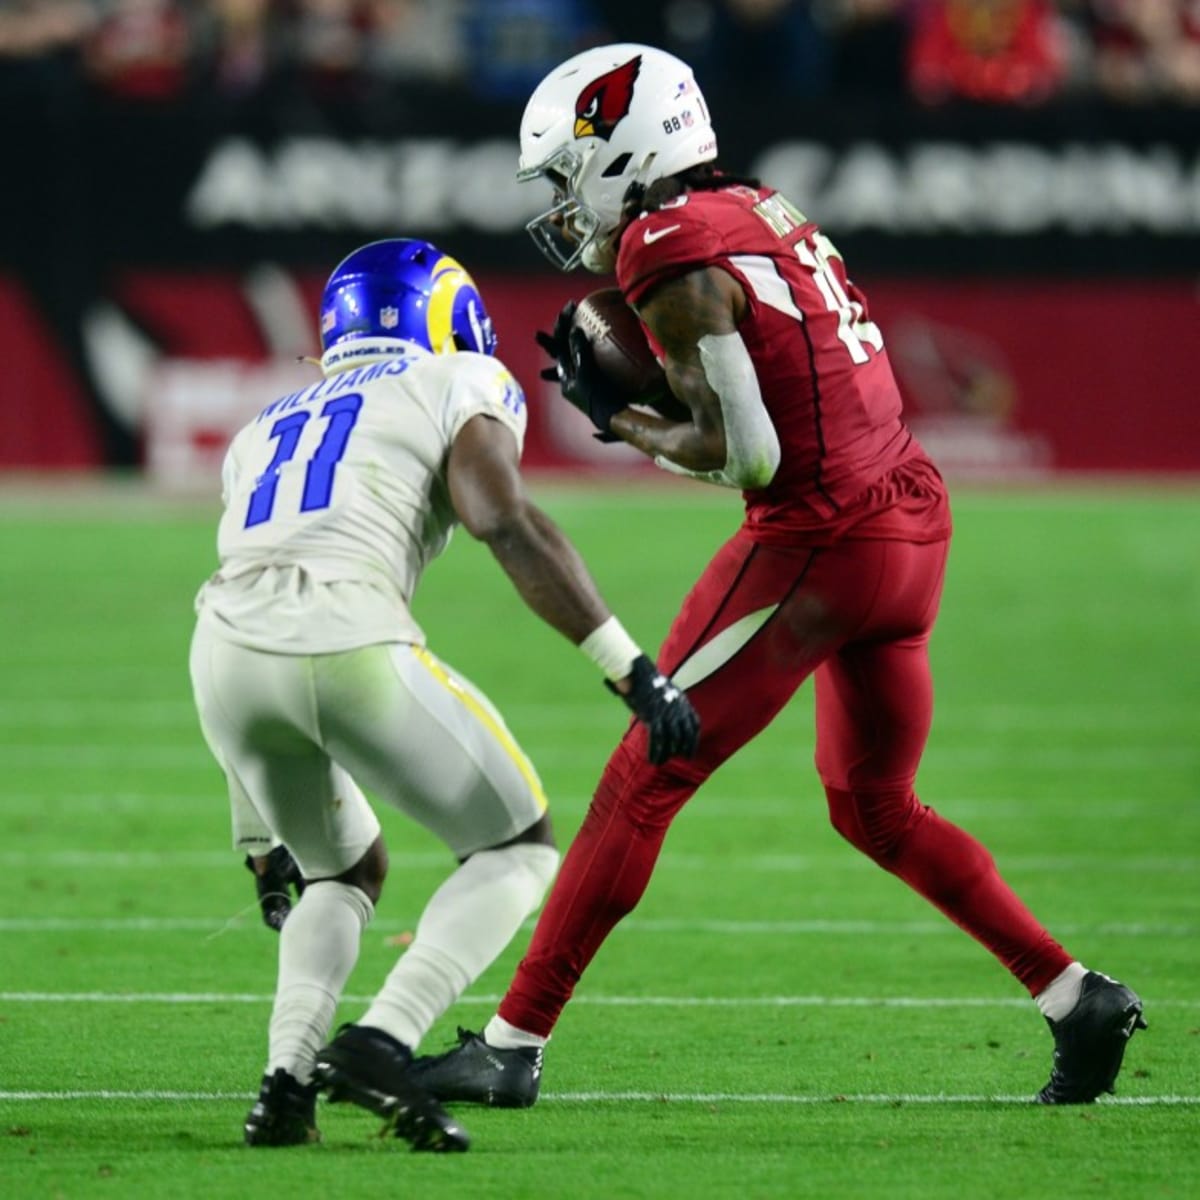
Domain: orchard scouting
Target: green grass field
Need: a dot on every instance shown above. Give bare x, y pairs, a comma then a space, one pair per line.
778, 1019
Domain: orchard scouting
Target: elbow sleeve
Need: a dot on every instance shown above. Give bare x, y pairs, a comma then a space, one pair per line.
752, 450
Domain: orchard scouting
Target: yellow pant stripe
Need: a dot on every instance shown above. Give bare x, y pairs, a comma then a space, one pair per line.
489, 722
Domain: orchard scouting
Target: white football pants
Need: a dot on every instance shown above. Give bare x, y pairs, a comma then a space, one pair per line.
297, 734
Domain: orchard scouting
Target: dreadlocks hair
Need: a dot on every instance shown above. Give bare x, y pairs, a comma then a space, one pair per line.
706, 177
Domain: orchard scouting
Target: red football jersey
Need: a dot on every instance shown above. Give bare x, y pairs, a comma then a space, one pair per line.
849, 465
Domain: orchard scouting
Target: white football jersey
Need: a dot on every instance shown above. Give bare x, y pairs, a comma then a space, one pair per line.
336, 500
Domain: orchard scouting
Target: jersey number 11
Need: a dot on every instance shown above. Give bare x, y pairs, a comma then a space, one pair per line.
341, 413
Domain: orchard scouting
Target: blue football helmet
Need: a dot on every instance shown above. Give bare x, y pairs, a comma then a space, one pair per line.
405, 288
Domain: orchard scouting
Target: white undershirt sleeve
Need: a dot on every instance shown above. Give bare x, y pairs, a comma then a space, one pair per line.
752, 449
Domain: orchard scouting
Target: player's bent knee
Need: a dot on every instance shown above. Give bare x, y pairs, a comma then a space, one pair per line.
541, 832
877, 823
369, 873
843, 816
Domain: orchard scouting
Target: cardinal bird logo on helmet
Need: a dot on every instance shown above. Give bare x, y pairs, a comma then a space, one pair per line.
605, 100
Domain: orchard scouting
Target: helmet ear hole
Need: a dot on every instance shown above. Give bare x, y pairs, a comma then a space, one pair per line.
617, 166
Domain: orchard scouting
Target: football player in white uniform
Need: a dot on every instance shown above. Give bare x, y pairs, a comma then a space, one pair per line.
312, 679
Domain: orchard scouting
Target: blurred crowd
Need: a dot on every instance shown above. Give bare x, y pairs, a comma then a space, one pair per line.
933, 52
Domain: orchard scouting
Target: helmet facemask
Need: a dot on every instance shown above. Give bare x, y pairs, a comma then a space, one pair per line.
571, 231
602, 121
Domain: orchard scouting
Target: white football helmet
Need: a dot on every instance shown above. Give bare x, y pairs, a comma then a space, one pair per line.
608, 117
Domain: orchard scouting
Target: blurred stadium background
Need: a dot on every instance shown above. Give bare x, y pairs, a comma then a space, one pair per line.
1016, 184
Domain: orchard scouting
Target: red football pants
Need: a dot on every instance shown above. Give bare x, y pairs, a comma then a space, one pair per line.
758, 622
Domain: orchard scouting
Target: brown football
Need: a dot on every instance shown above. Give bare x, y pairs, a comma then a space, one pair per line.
623, 354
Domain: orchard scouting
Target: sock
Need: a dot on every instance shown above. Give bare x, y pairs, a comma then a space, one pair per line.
468, 921
503, 1036
1061, 995
318, 948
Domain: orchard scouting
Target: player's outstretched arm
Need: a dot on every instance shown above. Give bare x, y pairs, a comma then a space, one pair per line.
489, 498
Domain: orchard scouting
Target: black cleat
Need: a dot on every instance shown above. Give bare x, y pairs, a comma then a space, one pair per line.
285, 1113
371, 1069
477, 1073
1089, 1042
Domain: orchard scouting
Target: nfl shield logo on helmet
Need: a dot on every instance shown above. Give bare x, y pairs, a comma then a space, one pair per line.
328, 320
389, 317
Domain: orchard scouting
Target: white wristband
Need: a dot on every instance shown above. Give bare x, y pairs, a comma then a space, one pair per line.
611, 649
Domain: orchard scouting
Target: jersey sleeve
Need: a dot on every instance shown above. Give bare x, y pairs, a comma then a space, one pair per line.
484, 385
660, 245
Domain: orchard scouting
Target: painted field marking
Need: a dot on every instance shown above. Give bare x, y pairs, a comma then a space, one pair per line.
598, 1001
192, 756
775, 1098
709, 805
582, 714
838, 858
249, 922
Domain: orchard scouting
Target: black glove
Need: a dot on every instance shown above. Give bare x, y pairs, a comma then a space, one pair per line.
576, 372
274, 898
664, 709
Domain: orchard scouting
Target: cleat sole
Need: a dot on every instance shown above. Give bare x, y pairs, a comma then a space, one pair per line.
432, 1131
424, 1133
341, 1088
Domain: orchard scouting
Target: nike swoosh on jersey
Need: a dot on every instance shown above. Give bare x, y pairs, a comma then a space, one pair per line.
652, 235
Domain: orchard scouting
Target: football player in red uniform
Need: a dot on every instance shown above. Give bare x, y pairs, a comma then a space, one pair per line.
836, 571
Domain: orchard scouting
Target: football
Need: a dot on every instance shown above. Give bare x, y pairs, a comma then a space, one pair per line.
623, 354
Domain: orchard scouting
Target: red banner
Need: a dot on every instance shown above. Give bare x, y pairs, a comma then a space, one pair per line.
1002, 379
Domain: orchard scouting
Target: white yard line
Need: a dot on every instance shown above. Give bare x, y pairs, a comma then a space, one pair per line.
838, 858
981, 718
773, 1098
166, 860
727, 928
81, 756
915, 1002
710, 805
723, 927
